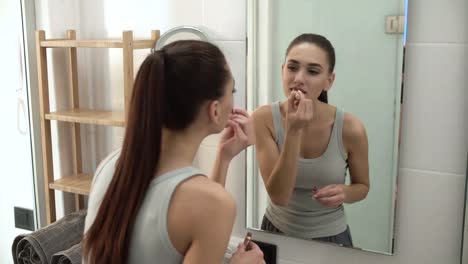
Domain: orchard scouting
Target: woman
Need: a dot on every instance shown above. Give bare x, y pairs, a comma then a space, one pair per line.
148, 204
304, 147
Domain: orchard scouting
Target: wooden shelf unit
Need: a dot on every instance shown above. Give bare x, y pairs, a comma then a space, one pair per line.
89, 116
79, 182
67, 43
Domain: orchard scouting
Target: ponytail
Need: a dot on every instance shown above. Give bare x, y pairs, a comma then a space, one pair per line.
108, 239
323, 97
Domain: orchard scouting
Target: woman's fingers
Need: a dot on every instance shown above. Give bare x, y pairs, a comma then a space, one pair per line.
255, 252
301, 108
241, 121
241, 117
292, 102
240, 111
305, 107
330, 196
326, 191
240, 133
230, 123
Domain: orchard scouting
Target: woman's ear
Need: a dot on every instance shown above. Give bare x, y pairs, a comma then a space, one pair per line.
214, 112
331, 79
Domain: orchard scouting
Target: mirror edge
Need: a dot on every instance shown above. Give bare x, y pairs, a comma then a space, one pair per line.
464, 239
251, 8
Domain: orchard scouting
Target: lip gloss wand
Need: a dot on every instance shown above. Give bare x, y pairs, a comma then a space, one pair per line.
247, 240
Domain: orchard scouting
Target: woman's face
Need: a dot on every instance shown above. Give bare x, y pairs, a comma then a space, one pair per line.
306, 68
227, 101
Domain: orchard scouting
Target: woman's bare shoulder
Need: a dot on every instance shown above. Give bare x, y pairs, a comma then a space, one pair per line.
196, 206
199, 198
199, 189
354, 131
262, 113
352, 125
263, 121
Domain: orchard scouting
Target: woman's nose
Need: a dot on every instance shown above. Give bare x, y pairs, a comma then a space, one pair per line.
299, 77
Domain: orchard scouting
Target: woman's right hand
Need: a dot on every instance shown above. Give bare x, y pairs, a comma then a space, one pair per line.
300, 111
253, 255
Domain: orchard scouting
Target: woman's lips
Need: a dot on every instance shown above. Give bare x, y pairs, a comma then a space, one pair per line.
298, 89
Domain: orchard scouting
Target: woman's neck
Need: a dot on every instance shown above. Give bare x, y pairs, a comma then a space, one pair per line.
178, 148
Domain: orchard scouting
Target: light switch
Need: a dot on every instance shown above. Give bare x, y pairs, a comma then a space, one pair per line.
394, 24
391, 24
24, 218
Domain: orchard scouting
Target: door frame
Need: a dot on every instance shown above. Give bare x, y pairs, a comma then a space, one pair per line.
28, 19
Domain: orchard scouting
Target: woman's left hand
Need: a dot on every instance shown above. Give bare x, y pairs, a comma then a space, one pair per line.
331, 196
238, 135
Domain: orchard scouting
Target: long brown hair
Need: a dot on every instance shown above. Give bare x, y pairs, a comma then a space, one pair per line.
323, 43
169, 89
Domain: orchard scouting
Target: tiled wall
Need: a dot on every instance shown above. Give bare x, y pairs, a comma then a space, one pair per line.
434, 124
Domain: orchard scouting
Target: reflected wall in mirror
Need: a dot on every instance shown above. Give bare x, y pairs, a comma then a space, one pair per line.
329, 158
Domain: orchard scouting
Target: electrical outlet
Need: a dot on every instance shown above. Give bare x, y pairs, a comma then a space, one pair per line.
24, 218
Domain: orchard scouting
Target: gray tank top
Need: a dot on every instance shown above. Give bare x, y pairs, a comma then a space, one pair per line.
150, 241
304, 217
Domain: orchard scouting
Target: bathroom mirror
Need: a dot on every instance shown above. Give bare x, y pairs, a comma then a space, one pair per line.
180, 33
368, 38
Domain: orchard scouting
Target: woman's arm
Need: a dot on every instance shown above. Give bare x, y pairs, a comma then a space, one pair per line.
355, 141
238, 135
220, 168
356, 145
212, 229
279, 169
200, 220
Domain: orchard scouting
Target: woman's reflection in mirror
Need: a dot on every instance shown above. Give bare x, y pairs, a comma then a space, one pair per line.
305, 147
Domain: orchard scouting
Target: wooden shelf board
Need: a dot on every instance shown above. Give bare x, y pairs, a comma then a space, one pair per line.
79, 184
87, 116
117, 43
144, 44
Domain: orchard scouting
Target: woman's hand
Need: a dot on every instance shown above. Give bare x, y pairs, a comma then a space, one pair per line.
300, 111
238, 135
252, 255
331, 196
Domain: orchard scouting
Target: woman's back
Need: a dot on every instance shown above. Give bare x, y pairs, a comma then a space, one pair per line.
150, 238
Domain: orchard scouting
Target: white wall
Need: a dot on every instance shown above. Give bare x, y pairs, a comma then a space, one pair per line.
15, 152
434, 125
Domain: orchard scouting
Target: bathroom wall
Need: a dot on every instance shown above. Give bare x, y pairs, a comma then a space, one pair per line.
434, 123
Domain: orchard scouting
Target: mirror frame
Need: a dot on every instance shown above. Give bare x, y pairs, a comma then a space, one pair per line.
182, 29
464, 242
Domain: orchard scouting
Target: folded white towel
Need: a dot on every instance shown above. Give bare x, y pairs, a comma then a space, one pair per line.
232, 247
